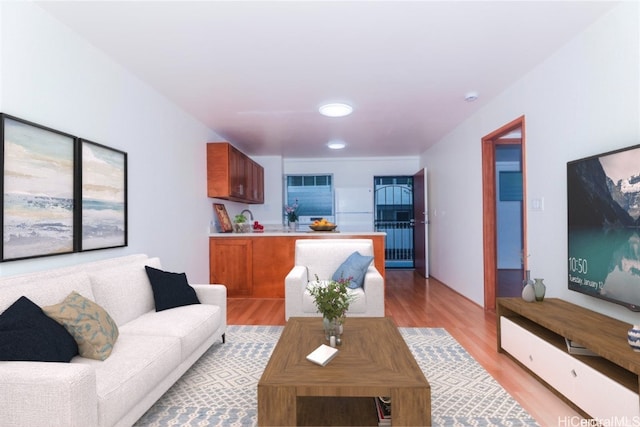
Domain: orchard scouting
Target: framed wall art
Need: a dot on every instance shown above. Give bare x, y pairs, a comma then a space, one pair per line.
38, 185
103, 196
224, 223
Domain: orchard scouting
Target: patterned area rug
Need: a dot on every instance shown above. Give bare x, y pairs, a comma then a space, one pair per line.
221, 388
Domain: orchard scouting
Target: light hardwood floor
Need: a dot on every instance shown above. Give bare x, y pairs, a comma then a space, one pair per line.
413, 301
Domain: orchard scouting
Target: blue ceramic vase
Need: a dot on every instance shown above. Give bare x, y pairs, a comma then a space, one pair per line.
634, 337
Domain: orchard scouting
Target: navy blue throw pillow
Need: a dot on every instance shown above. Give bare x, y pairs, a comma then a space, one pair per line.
170, 289
27, 334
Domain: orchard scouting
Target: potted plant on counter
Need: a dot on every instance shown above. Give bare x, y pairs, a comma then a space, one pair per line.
292, 216
240, 224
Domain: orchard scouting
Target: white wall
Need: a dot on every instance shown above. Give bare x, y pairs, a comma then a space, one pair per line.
584, 100
52, 77
353, 176
347, 173
353, 172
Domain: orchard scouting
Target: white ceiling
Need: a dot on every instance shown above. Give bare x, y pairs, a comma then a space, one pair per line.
256, 72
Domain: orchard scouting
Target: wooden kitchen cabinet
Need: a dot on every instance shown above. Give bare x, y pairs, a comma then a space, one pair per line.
232, 175
255, 265
256, 181
230, 263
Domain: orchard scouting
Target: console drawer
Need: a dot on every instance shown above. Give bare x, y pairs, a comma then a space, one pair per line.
536, 354
592, 391
600, 396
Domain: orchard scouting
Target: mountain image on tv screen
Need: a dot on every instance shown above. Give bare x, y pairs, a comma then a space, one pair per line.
603, 195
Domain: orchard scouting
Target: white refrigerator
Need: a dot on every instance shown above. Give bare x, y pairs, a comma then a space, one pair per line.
354, 209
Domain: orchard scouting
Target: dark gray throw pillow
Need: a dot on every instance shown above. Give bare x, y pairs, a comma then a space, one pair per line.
27, 334
170, 289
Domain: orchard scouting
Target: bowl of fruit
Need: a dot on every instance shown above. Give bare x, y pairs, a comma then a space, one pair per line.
322, 225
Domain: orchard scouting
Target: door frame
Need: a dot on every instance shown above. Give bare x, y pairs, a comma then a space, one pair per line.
489, 199
389, 257
421, 223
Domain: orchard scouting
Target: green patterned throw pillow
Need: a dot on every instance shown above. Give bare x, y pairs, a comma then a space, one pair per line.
89, 324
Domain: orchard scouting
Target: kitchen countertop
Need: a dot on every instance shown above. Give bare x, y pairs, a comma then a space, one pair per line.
298, 233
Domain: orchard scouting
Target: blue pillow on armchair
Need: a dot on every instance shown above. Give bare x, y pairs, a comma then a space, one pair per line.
355, 267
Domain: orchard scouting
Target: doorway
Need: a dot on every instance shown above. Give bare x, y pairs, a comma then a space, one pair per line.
504, 211
509, 216
393, 207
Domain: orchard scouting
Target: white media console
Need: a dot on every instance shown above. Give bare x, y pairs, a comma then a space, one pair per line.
603, 387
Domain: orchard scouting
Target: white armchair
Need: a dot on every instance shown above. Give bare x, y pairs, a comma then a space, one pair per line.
322, 257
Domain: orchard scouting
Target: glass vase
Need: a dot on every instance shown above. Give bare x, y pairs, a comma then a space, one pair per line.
333, 328
330, 328
527, 279
528, 293
292, 225
539, 289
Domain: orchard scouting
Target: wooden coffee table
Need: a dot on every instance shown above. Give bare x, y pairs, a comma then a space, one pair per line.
373, 360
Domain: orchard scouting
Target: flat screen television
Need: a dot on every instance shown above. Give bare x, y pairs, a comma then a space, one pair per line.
603, 194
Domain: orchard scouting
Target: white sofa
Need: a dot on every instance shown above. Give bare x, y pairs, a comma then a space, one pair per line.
322, 257
152, 351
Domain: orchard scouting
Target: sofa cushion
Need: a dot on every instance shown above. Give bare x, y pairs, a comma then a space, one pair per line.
170, 290
192, 324
124, 291
136, 366
43, 288
89, 324
27, 334
353, 268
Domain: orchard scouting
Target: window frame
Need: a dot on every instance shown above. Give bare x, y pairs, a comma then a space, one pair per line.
308, 219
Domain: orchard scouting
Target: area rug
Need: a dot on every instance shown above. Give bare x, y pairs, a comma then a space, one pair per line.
221, 388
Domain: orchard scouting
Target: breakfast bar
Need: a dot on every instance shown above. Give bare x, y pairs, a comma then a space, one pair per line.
254, 265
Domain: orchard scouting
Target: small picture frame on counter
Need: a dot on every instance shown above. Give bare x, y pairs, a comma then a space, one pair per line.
223, 221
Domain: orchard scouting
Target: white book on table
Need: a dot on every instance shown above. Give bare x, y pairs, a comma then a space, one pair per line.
322, 355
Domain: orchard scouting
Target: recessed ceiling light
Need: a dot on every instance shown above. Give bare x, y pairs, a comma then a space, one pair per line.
335, 109
336, 144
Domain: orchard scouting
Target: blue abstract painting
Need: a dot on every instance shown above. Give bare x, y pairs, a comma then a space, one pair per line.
104, 194
38, 191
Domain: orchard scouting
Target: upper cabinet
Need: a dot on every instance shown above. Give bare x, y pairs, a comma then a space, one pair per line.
232, 175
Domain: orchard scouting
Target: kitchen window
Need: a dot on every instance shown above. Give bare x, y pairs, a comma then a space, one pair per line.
313, 194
